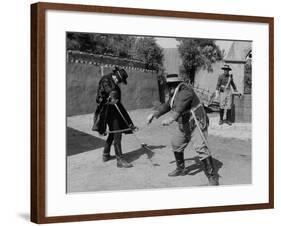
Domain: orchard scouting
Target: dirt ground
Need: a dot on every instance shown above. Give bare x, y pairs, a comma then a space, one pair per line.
230, 146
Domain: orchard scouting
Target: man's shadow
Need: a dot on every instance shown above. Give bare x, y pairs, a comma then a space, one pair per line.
197, 166
147, 150
79, 142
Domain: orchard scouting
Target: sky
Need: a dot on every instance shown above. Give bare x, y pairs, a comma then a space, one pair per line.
167, 42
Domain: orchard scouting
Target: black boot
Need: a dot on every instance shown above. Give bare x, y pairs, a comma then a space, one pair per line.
106, 151
180, 170
121, 162
221, 116
210, 172
228, 116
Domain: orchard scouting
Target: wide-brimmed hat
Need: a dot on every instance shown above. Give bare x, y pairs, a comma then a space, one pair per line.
226, 67
173, 78
121, 74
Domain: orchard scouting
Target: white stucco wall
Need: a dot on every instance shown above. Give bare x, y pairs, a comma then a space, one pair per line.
208, 80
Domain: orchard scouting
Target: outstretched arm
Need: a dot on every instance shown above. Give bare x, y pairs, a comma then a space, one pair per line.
184, 100
161, 110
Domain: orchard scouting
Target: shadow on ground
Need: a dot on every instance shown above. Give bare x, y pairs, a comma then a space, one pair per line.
197, 166
79, 142
136, 154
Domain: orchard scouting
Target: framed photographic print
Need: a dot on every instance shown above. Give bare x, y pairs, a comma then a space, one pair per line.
141, 112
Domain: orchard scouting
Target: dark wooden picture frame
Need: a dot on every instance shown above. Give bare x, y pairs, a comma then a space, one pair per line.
38, 120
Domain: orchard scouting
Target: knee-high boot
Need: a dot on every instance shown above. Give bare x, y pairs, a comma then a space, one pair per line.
221, 116
106, 152
179, 171
228, 117
210, 172
121, 162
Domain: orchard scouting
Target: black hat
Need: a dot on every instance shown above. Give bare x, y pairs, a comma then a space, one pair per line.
226, 67
121, 74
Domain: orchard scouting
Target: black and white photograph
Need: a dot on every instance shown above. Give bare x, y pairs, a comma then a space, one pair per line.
155, 113
148, 112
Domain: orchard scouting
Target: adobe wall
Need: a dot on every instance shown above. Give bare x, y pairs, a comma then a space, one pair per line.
208, 80
82, 81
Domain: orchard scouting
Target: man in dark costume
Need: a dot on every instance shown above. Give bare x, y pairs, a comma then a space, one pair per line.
110, 112
193, 124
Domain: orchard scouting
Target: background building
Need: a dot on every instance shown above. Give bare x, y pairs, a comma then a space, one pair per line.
239, 57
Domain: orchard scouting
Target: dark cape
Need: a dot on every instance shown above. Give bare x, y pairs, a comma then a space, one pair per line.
110, 111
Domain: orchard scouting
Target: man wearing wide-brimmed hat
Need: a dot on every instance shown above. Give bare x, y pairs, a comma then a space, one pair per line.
224, 92
192, 132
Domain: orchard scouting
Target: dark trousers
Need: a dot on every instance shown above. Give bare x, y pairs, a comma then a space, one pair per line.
114, 138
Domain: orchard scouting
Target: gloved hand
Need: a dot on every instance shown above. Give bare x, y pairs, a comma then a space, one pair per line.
113, 101
113, 97
149, 118
133, 128
167, 121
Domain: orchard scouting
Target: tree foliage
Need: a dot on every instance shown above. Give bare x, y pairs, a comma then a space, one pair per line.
147, 50
198, 53
123, 46
117, 45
